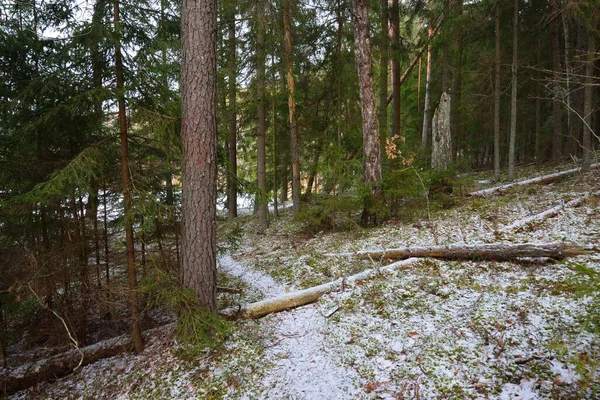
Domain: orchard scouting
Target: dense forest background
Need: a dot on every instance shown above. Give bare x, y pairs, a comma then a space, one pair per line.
90, 119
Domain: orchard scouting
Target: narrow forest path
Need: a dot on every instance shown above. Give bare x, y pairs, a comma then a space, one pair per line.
304, 367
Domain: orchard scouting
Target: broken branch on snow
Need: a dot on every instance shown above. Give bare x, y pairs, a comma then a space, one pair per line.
544, 179
306, 296
485, 251
551, 212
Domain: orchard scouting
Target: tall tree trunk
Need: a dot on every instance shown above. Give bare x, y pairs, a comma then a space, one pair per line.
497, 97
232, 142
427, 105
395, 37
292, 107
274, 138
455, 120
445, 61
565, 22
371, 147
513, 96
383, 71
538, 112
575, 138
588, 103
261, 197
199, 139
105, 236
125, 177
556, 104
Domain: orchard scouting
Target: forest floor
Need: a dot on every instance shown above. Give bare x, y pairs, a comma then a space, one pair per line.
437, 330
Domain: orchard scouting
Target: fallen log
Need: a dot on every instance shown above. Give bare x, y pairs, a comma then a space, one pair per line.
544, 179
551, 212
63, 364
306, 296
486, 251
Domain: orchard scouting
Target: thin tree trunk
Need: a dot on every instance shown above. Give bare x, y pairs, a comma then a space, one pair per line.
556, 104
427, 105
513, 97
105, 237
371, 147
127, 200
538, 112
395, 37
383, 71
588, 104
232, 137
497, 98
292, 107
565, 22
199, 139
419, 83
455, 120
261, 197
274, 140
445, 65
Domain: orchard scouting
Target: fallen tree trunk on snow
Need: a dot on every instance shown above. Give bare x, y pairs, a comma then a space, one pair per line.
306, 296
63, 364
491, 251
544, 179
551, 212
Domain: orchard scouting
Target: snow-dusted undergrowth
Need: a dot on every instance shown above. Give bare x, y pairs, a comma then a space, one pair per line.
452, 330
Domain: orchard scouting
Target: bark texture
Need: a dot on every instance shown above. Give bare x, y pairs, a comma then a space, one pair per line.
441, 140
199, 138
371, 146
126, 183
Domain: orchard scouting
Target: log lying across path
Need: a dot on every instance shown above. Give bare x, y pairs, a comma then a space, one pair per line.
63, 364
544, 179
306, 296
551, 212
485, 251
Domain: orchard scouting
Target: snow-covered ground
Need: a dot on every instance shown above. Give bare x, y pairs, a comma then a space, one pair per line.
438, 330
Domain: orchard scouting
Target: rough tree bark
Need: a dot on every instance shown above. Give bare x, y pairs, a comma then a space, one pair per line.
513, 96
371, 146
261, 159
199, 138
287, 23
125, 177
441, 137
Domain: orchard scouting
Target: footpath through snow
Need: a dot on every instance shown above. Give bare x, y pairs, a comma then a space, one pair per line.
303, 366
